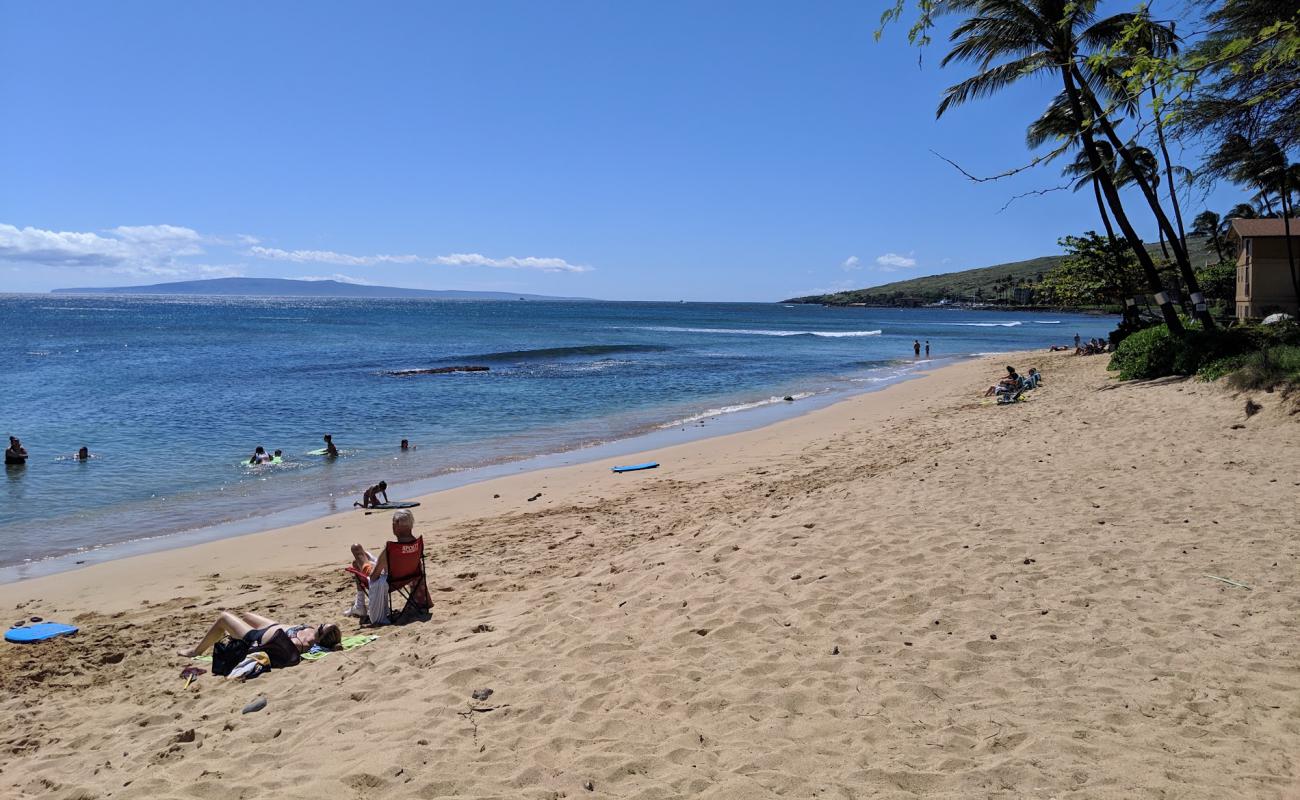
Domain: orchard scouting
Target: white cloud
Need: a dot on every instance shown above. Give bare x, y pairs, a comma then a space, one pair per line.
338, 276
173, 251
892, 261
852, 262
453, 260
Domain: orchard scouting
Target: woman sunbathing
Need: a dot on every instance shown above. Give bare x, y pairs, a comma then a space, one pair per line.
255, 629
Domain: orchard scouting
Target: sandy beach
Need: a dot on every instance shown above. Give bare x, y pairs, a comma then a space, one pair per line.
908, 594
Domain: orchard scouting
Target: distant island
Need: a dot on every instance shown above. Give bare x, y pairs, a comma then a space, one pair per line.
284, 287
1010, 284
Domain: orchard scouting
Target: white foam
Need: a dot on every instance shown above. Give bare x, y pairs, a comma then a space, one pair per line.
761, 332
717, 412
984, 324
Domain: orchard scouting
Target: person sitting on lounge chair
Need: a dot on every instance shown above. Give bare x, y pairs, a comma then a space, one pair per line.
1008, 384
376, 568
256, 629
365, 561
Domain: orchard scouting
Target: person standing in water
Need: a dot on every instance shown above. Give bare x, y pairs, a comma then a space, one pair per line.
916, 348
330, 450
259, 457
927, 348
16, 455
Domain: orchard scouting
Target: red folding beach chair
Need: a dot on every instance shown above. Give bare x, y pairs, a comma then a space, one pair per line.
405, 574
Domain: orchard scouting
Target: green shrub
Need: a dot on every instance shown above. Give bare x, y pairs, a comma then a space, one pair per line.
1148, 353
1155, 352
1267, 369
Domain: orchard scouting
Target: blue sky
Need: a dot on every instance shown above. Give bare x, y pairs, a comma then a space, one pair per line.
669, 150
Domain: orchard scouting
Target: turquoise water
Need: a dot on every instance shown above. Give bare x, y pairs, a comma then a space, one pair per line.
171, 395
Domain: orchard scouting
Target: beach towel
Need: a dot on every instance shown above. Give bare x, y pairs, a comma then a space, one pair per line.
348, 643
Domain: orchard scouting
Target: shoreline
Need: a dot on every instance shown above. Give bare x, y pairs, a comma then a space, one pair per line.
297, 520
649, 437
908, 592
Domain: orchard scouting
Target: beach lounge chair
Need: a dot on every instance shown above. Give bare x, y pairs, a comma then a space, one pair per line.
405, 574
1009, 397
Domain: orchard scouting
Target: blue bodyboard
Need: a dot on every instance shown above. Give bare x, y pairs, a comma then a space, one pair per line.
39, 632
635, 467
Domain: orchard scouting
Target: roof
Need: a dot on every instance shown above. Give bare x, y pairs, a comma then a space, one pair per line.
1263, 227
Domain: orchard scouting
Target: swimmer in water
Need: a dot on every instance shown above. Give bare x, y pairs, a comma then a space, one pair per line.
16, 455
330, 450
83, 454
259, 457
371, 498
278, 457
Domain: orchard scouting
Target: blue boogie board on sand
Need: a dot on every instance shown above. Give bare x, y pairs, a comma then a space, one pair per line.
391, 506
635, 467
38, 632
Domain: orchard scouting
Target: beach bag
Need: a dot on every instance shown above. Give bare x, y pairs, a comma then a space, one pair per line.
226, 655
377, 607
280, 649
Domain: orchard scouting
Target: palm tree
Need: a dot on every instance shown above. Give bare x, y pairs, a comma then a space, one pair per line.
1159, 41
1241, 211
1103, 33
1209, 224
1141, 164
1013, 39
1262, 165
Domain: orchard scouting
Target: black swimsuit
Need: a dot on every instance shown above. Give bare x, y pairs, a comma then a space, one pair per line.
254, 637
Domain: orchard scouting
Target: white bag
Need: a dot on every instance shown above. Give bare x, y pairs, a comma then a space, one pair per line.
377, 607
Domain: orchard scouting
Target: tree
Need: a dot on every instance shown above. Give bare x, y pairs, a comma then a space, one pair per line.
1091, 274
1010, 40
1245, 71
1209, 224
1262, 165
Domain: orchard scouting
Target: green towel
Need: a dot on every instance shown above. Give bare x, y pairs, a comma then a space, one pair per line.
348, 643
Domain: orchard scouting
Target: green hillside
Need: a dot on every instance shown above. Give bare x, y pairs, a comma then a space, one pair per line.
984, 284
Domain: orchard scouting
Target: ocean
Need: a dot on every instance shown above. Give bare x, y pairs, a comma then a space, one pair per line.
171, 395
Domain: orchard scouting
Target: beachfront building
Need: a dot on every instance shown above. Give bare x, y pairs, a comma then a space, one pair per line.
1263, 271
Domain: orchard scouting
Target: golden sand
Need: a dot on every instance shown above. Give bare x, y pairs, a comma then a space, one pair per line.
908, 594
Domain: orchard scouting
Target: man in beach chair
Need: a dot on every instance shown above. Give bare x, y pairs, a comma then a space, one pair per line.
399, 568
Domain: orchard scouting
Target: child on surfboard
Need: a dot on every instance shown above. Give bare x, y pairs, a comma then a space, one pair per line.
371, 497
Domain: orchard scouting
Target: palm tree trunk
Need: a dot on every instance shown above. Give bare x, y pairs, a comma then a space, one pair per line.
1116, 205
1169, 176
1180, 254
1117, 276
1286, 230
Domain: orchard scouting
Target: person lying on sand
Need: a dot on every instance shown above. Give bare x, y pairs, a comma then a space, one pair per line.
1056, 348
255, 629
371, 497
